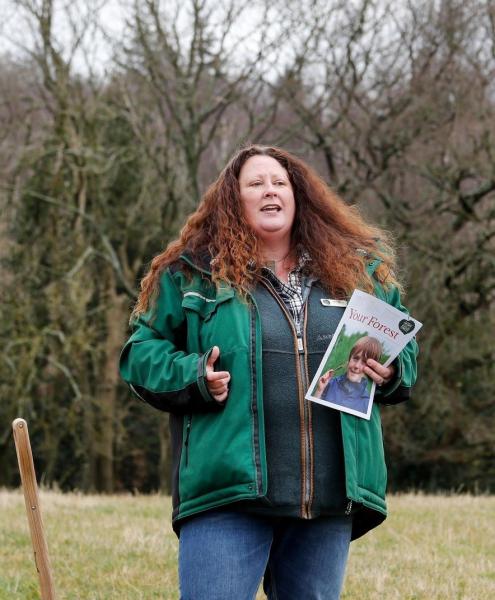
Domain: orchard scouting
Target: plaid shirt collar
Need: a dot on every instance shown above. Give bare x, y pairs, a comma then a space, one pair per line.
291, 293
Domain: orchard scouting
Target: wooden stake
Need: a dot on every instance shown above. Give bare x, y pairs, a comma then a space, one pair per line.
30, 488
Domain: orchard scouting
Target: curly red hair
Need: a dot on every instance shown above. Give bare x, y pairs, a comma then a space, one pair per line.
334, 234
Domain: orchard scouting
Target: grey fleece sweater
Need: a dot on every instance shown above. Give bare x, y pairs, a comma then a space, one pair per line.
303, 439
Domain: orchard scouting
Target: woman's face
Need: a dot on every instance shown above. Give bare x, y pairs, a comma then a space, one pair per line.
267, 198
355, 368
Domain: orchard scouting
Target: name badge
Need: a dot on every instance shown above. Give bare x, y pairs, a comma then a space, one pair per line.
332, 302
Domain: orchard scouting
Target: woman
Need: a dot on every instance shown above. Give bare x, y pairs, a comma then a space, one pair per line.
229, 329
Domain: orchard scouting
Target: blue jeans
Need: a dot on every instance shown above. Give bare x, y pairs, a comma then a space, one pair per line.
224, 554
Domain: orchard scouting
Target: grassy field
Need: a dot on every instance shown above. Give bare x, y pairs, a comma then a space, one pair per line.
101, 547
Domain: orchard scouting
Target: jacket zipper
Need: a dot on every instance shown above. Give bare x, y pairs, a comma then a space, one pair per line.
304, 409
303, 360
186, 441
254, 402
308, 434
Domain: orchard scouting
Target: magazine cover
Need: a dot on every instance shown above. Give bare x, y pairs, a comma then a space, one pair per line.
369, 328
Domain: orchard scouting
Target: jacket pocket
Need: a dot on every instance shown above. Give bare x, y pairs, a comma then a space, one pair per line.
210, 321
372, 470
204, 305
186, 439
218, 452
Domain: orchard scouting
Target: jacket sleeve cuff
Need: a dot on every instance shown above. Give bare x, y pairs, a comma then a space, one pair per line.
390, 387
393, 392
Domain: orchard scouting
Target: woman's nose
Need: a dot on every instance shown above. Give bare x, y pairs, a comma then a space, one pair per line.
270, 189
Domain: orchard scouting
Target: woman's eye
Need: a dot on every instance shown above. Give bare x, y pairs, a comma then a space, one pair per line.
280, 182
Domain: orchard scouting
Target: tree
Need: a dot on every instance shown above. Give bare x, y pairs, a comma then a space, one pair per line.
404, 126
69, 294
393, 102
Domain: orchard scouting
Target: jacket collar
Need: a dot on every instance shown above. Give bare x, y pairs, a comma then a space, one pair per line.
200, 261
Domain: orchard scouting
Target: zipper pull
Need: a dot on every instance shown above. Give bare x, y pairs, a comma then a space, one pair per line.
300, 343
186, 442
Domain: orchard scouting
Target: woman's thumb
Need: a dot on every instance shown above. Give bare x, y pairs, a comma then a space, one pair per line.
215, 353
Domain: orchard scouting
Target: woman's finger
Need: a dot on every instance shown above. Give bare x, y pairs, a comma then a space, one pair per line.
221, 397
377, 377
216, 375
218, 385
385, 373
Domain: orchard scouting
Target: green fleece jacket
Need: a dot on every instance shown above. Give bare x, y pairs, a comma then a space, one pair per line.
219, 451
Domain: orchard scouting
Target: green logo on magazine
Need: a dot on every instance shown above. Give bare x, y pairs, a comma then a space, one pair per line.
406, 326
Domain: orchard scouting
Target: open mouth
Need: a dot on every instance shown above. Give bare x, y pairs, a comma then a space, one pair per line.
271, 208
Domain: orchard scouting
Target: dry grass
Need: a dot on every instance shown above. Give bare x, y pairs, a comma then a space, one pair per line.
431, 547
109, 547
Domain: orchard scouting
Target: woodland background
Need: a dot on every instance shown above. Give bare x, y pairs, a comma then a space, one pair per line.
392, 102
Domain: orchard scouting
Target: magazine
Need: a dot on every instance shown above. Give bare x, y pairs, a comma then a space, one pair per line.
369, 328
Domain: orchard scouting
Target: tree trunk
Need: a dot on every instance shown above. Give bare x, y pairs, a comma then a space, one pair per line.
107, 390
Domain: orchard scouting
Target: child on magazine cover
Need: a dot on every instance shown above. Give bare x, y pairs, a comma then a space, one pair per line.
351, 388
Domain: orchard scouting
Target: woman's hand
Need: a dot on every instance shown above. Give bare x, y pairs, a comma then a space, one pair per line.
378, 373
322, 382
216, 381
